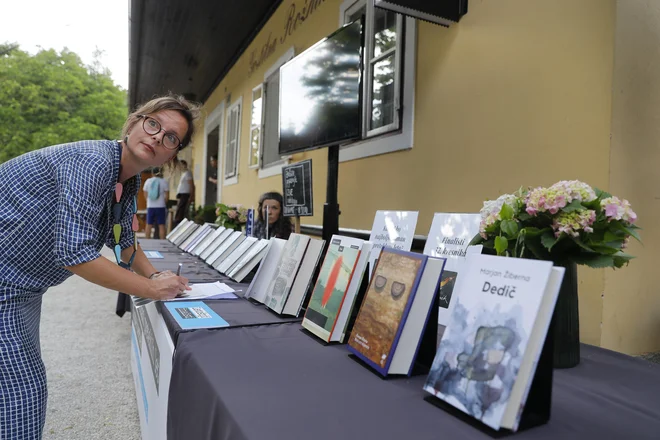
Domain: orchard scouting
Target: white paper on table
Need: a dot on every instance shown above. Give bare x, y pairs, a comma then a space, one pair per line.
216, 290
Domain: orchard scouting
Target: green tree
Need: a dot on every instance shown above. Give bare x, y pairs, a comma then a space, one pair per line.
52, 98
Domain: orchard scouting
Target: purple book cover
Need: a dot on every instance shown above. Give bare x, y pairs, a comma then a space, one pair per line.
385, 308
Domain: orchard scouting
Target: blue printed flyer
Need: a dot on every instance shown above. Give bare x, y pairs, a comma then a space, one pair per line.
194, 314
153, 254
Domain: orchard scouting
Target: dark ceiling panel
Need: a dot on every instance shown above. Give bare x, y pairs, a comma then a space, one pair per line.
188, 47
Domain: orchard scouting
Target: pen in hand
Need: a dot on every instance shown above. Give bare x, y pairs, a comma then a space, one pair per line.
178, 273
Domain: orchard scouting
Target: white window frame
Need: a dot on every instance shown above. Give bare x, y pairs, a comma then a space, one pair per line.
260, 87
235, 106
213, 120
276, 168
386, 139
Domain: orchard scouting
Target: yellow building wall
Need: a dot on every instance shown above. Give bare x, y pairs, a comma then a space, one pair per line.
631, 312
519, 93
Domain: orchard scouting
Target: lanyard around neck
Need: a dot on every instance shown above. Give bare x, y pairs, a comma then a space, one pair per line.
117, 208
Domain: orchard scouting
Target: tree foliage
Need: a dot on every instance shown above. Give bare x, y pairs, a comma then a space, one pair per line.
52, 98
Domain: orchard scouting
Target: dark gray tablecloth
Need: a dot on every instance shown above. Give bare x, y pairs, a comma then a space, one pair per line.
237, 312
274, 382
151, 244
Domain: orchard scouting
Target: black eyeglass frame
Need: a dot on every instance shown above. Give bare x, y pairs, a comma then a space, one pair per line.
179, 144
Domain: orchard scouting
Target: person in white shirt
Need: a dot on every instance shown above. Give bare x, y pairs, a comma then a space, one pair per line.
185, 193
157, 191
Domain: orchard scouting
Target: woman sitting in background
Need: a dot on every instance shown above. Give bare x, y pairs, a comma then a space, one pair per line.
270, 208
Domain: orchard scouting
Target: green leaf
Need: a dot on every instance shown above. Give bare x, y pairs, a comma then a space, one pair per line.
506, 213
575, 205
604, 249
549, 240
609, 236
510, 228
523, 216
477, 239
582, 245
595, 261
602, 194
534, 245
501, 244
621, 259
628, 230
531, 231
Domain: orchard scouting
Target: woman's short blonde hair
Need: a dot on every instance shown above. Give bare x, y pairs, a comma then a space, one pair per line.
188, 109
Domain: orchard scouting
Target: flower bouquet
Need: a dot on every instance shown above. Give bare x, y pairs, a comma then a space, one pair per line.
569, 223
231, 216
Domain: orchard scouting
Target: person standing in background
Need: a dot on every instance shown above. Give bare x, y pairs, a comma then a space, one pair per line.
213, 171
157, 191
270, 222
185, 193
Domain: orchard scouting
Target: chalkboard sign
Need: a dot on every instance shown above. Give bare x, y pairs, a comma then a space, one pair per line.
297, 184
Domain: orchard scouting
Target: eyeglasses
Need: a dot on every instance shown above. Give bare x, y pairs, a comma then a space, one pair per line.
153, 127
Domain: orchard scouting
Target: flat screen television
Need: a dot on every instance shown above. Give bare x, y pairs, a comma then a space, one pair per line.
321, 93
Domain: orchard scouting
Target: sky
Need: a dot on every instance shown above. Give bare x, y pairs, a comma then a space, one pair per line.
79, 25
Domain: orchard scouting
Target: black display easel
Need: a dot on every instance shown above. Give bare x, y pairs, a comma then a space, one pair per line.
331, 207
539, 399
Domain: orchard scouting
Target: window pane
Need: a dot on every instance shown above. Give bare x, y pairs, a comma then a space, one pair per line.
382, 93
256, 108
255, 126
384, 31
254, 146
271, 137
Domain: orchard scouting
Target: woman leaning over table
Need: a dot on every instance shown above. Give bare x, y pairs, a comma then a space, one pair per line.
59, 206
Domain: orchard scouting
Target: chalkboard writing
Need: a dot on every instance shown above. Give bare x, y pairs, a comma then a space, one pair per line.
297, 184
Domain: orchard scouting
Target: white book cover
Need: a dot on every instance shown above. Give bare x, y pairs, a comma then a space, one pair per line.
482, 349
206, 253
448, 238
303, 281
395, 229
239, 273
258, 288
175, 237
286, 271
226, 244
252, 253
177, 229
237, 254
191, 237
201, 247
203, 232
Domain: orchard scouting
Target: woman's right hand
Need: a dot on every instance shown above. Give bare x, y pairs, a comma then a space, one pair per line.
168, 287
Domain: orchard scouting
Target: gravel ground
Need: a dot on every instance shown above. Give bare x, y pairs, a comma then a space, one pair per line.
86, 349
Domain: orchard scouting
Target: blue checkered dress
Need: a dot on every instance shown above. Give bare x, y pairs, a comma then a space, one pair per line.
55, 211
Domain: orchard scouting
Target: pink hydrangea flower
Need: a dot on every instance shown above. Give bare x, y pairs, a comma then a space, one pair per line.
571, 223
556, 197
617, 209
490, 213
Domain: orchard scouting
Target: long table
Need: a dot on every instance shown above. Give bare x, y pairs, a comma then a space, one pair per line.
275, 382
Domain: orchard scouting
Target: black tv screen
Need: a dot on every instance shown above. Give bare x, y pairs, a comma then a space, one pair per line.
320, 93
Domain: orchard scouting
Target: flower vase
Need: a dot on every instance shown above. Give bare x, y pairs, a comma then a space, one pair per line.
566, 320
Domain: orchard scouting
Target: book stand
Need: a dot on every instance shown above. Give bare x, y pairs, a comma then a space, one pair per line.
427, 345
539, 400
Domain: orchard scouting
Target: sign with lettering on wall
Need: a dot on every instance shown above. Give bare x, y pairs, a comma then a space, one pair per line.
297, 185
